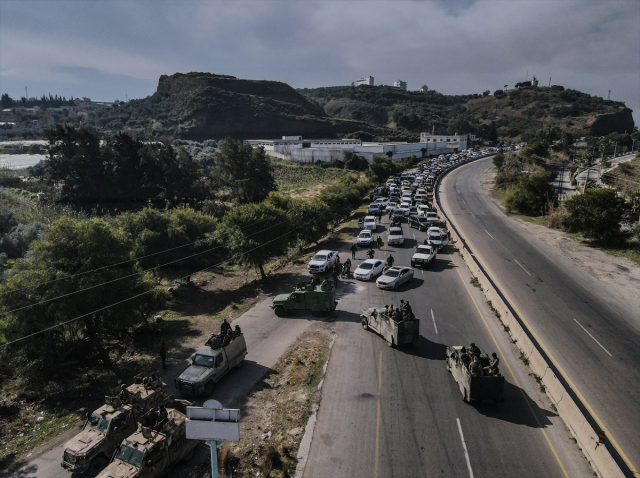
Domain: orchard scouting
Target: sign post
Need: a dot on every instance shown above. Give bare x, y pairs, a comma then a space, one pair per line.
214, 424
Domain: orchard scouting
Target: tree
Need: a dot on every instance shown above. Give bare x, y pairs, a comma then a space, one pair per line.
492, 135
74, 247
238, 233
596, 214
498, 160
486, 93
354, 162
6, 101
532, 193
382, 168
424, 88
246, 170
498, 94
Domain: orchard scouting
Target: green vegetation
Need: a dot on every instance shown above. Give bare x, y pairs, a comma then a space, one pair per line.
294, 178
597, 214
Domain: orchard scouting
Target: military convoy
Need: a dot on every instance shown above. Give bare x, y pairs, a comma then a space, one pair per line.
90, 450
306, 296
395, 332
159, 442
479, 386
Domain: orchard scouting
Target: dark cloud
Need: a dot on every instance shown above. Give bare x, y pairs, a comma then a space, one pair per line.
455, 47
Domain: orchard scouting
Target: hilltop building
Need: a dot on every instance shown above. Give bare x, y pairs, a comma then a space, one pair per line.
401, 85
367, 80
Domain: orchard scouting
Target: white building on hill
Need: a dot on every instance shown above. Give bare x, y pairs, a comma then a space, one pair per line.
401, 85
367, 80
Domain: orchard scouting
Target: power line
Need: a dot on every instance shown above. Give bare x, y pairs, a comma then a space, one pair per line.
126, 277
149, 291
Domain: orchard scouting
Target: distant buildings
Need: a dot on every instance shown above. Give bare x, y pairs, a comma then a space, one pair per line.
86, 103
401, 85
367, 80
455, 141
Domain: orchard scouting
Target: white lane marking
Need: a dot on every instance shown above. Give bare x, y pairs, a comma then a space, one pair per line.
522, 266
593, 337
489, 234
414, 236
464, 447
434, 321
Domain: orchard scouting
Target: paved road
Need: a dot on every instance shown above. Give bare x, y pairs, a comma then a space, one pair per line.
596, 170
267, 338
590, 331
397, 412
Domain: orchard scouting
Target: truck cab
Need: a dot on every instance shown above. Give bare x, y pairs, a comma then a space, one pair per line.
209, 365
306, 296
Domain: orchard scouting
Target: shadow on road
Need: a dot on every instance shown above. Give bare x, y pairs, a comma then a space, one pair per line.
425, 348
414, 284
514, 409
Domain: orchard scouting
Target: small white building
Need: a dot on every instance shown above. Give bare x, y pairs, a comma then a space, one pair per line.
401, 85
455, 141
368, 80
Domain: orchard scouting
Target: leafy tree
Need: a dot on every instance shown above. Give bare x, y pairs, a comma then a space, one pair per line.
354, 162
486, 93
498, 160
6, 101
382, 168
492, 134
73, 247
596, 214
314, 214
238, 232
247, 171
498, 94
532, 193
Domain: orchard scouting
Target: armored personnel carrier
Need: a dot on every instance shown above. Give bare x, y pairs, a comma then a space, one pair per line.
395, 332
306, 296
157, 444
90, 450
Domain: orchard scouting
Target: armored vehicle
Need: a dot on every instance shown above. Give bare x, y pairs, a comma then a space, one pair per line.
157, 444
306, 296
90, 450
210, 363
480, 387
401, 332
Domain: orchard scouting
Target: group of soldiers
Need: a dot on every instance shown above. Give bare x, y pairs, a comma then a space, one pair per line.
224, 338
398, 314
152, 382
470, 357
155, 418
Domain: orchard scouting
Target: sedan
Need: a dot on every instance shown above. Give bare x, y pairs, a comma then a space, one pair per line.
368, 269
394, 277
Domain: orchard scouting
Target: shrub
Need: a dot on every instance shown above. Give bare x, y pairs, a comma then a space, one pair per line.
596, 214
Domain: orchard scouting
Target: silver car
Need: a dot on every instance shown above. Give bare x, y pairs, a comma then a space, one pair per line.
394, 277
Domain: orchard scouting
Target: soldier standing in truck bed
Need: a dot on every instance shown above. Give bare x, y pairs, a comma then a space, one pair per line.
475, 367
225, 327
475, 351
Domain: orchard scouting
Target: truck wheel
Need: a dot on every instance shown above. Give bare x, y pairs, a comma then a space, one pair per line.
365, 326
279, 310
97, 465
208, 388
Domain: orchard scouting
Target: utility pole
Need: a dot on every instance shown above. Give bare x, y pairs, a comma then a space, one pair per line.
609, 95
549, 82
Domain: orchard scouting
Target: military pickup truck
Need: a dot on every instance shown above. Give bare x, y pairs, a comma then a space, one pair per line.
154, 447
306, 296
90, 450
209, 364
395, 333
481, 387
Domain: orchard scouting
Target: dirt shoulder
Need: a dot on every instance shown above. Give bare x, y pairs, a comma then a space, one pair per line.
619, 273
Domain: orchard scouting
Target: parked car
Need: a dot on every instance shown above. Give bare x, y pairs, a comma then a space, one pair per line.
396, 237
394, 277
421, 223
368, 269
322, 261
423, 256
365, 238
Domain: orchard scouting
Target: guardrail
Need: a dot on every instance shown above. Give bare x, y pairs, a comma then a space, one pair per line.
604, 457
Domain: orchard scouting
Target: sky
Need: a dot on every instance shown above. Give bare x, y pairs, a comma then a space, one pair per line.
110, 50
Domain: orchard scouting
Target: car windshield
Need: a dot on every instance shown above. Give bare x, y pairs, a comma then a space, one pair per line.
395, 231
99, 423
366, 266
203, 360
319, 257
423, 220
392, 273
365, 234
434, 235
130, 455
423, 250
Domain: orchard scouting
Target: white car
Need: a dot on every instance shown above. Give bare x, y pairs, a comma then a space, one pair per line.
368, 269
436, 237
374, 208
391, 206
365, 238
371, 223
405, 207
396, 237
423, 256
394, 277
382, 202
322, 261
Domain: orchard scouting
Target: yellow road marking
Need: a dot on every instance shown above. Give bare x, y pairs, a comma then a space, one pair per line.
375, 470
524, 395
551, 357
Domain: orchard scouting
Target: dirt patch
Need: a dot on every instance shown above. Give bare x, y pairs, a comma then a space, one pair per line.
621, 274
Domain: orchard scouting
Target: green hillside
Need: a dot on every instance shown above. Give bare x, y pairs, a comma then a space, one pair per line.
517, 113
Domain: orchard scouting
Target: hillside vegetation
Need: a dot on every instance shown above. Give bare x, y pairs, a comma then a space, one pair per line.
515, 113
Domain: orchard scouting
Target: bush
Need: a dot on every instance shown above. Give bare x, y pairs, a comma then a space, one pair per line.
16, 243
531, 194
596, 214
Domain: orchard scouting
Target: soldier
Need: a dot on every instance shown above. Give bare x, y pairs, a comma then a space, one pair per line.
151, 418
226, 339
163, 355
371, 253
492, 369
225, 326
325, 285
163, 415
237, 331
379, 240
475, 351
335, 275
464, 356
123, 395
397, 315
353, 250
386, 312
475, 367
390, 260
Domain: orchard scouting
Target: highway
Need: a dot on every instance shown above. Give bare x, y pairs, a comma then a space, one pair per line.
390, 412
590, 332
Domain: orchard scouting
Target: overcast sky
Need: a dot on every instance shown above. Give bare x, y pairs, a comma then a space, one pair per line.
108, 49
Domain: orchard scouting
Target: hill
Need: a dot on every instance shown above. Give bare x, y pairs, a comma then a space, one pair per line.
517, 113
200, 106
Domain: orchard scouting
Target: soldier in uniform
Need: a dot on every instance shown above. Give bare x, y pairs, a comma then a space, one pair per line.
225, 327
237, 331
475, 367
353, 250
163, 415
464, 356
397, 315
163, 355
390, 261
492, 369
475, 351
325, 285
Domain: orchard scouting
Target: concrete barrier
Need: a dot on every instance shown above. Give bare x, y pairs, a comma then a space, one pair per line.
598, 454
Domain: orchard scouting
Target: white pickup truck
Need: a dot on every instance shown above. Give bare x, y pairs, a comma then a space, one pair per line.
437, 238
423, 256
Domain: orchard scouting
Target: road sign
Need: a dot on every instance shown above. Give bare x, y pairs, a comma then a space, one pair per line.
213, 423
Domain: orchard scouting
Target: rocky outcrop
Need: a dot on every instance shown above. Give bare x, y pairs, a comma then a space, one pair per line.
618, 122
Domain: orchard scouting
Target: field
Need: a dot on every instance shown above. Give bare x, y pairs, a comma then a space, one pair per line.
303, 181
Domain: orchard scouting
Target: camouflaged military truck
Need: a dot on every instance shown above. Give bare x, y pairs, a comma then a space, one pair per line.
395, 333
90, 450
481, 387
306, 296
154, 447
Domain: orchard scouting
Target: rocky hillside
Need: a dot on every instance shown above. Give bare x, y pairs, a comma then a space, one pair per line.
516, 113
202, 106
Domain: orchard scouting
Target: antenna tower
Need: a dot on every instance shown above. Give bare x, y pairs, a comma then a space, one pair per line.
609, 95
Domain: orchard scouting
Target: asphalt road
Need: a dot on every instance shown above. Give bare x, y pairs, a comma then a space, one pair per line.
588, 329
397, 411
267, 338
596, 171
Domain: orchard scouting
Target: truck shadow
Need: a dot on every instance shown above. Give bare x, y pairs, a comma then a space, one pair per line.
518, 408
440, 264
425, 348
